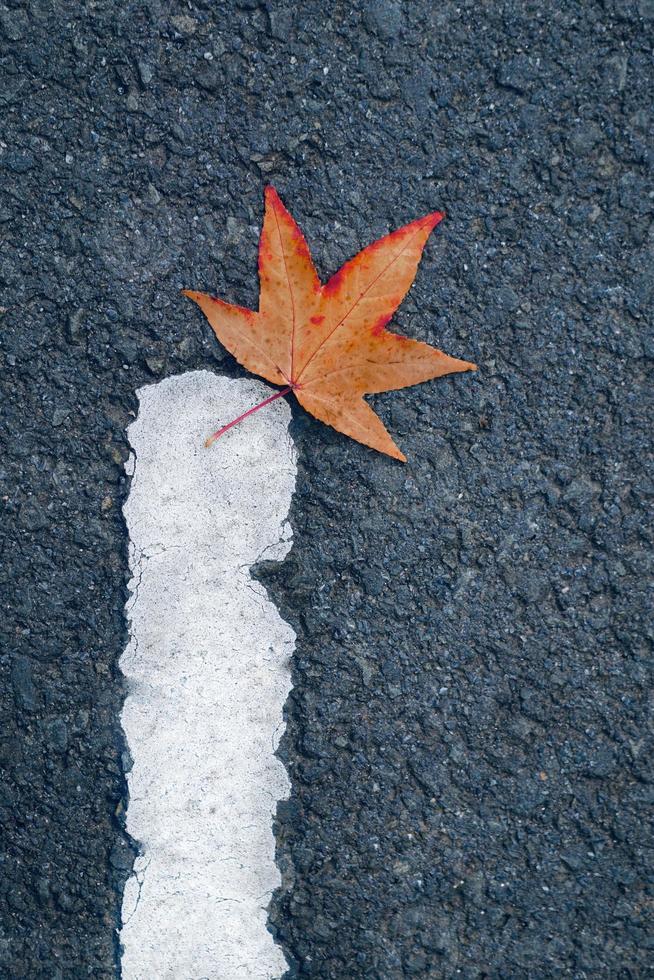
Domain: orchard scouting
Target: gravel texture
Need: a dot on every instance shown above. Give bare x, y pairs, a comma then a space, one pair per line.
467, 738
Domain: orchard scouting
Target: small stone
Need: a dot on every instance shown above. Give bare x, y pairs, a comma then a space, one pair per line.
59, 415
146, 72
632, 192
209, 77
574, 858
384, 18
58, 735
372, 581
64, 901
584, 138
415, 963
616, 72
233, 229
265, 164
280, 20
80, 47
82, 719
107, 504
580, 494
32, 516
76, 324
507, 299
43, 890
155, 365
601, 763
184, 24
23, 684
322, 927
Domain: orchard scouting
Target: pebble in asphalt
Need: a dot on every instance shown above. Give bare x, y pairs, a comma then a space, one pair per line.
466, 738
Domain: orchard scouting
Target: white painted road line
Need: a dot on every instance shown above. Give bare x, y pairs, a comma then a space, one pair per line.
207, 673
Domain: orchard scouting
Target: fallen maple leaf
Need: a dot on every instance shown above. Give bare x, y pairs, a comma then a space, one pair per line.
329, 344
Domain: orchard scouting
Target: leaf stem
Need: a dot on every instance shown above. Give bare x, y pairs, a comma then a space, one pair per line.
278, 394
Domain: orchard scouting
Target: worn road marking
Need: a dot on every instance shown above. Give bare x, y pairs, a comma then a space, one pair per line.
207, 674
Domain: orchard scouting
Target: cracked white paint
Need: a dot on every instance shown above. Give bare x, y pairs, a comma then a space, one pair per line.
207, 675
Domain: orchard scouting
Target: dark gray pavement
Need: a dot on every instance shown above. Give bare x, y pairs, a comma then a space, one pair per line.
468, 738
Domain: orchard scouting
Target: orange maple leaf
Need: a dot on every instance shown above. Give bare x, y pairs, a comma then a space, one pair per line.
329, 344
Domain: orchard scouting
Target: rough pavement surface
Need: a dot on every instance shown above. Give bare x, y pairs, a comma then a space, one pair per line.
467, 738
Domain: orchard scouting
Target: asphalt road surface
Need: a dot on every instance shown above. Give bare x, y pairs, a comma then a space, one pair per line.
467, 736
